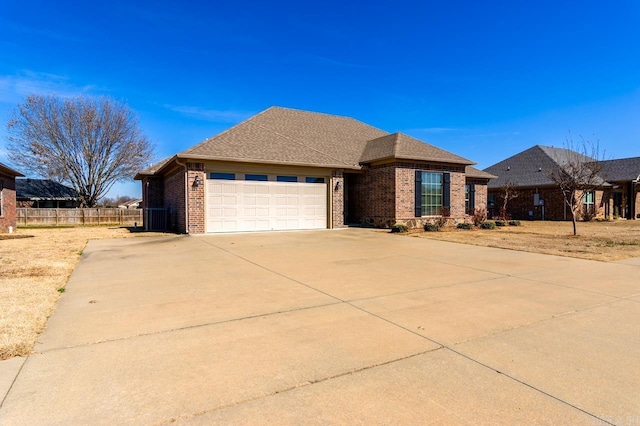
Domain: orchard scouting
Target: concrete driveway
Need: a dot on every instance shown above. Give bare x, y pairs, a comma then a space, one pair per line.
351, 326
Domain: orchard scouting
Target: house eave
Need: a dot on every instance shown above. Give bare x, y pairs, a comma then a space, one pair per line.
189, 157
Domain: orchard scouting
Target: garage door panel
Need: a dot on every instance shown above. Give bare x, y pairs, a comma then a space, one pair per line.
260, 206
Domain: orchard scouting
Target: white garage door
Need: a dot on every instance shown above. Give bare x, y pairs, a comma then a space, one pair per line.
239, 205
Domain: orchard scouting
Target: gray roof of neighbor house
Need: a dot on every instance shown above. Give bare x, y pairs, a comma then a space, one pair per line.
531, 167
295, 137
8, 171
43, 189
624, 169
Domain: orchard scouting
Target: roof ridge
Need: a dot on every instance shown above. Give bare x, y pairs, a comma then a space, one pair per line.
345, 117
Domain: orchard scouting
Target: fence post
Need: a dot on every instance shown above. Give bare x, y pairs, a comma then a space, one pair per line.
98, 216
25, 217
56, 217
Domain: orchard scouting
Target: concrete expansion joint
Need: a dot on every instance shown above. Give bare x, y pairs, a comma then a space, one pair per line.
195, 326
530, 386
349, 372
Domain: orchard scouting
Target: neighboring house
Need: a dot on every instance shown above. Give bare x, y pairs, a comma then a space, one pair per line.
624, 176
8, 198
131, 204
529, 171
45, 194
292, 169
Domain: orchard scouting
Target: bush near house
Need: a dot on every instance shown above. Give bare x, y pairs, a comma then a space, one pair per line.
400, 227
464, 225
431, 227
488, 224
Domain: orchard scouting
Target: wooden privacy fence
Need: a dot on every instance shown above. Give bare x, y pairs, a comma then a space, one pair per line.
77, 217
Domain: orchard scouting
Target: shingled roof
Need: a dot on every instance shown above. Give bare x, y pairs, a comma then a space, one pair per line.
43, 189
624, 169
531, 167
404, 147
303, 138
288, 136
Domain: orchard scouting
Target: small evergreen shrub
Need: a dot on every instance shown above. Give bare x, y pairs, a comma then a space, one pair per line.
514, 223
501, 222
400, 227
431, 227
488, 224
464, 225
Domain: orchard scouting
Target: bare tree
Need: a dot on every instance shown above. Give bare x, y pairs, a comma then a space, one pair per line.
578, 173
507, 193
88, 143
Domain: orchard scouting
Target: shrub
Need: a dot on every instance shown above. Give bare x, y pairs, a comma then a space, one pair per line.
514, 223
399, 227
431, 227
442, 220
501, 222
464, 225
479, 216
488, 224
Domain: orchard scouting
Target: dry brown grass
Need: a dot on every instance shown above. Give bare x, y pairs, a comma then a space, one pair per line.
32, 271
604, 241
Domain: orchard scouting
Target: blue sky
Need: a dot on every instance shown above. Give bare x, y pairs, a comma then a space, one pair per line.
483, 79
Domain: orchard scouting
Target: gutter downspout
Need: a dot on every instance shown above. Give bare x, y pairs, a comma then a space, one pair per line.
186, 194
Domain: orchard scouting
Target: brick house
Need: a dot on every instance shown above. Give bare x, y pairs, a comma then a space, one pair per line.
539, 198
291, 169
8, 198
45, 194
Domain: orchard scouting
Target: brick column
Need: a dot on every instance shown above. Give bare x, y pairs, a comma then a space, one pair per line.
196, 183
336, 188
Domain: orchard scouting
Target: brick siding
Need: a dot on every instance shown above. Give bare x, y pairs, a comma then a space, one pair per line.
385, 194
173, 196
336, 189
372, 196
8, 200
405, 190
196, 197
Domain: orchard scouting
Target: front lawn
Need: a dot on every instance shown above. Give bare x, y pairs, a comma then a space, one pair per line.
605, 241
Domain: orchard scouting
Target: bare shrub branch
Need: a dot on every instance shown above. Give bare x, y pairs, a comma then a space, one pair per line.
578, 172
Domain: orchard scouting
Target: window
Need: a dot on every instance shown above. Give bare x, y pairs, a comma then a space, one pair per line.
287, 178
256, 177
466, 199
314, 180
224, 176
588, 200
431, 194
